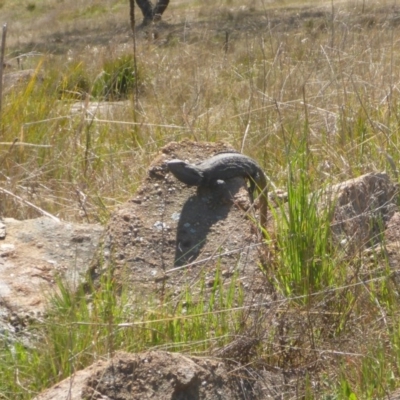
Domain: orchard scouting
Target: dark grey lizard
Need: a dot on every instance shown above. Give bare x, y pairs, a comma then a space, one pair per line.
222, 167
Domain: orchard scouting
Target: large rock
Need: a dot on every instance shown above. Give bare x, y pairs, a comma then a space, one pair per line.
101, 109
166, 376
33, 254
362, 208
169, 234
19, 79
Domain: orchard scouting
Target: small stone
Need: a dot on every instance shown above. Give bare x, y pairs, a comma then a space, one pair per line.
175, 216
2, 231
159, 225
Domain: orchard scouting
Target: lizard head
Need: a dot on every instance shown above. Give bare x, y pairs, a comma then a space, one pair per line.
185, 172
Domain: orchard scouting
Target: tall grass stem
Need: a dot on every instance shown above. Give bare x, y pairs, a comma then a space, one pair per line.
2, 55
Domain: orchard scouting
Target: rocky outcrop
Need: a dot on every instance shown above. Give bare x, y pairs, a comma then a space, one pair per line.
19, 79
362, 208
169, 234
164, 239
33, 255
164, 375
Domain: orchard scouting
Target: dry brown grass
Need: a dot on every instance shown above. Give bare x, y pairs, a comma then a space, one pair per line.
264, 76
251, 68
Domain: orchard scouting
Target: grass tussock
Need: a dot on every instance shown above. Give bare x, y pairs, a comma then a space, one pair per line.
311, 93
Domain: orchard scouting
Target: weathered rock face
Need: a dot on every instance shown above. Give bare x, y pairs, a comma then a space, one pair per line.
363, 206
100, 109
170, 234
390, 251
163, 375
13, 80
33, 254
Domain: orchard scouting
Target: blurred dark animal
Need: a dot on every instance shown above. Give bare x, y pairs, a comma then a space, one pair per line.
152, 13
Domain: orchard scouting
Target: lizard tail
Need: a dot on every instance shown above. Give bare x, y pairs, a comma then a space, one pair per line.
263, 208
263, 190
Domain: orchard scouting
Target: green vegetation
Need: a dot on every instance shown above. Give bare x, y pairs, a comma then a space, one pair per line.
31, 6
313, 97
117, 81
304, 261
79, 327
